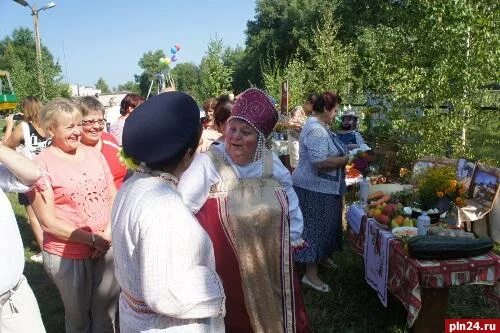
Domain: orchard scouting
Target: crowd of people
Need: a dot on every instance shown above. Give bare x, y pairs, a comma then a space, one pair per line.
172, 220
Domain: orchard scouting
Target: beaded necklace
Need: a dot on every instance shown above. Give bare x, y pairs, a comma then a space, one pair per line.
168, 178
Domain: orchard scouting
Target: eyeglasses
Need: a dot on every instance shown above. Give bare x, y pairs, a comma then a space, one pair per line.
88, 123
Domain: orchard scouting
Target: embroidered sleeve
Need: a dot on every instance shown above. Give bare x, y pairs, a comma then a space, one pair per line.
296, 220
195, 182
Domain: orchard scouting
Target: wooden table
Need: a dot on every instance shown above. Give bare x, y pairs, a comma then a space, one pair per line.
422, 285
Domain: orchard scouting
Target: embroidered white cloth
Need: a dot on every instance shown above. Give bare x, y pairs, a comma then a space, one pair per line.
165, 259
355, 215
376, 256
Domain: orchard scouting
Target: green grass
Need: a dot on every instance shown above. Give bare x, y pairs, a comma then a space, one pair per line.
351, 307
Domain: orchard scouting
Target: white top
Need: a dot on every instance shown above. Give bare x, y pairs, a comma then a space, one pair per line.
112, 114
196, 181
11, 245
165, 259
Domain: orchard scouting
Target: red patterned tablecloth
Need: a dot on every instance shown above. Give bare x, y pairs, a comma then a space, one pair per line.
407, 275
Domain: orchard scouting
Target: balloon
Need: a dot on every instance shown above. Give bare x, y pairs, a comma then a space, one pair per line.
173, 50
162, 60
177, 46
166, 61
173, 58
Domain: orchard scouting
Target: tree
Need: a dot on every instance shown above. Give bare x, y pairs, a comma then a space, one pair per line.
295, 72
439, 54
279, 32
129, 86
186, 77
150, 63
235, 59
331, 62
101, 84
18, 56
215, 77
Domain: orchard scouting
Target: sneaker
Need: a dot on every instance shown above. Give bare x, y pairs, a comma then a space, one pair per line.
37, 257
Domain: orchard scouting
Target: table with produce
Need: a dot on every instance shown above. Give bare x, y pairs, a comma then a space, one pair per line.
419, 265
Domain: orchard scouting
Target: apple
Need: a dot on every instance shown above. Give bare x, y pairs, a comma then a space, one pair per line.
383, 219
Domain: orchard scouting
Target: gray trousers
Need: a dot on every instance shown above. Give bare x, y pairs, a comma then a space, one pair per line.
88, 290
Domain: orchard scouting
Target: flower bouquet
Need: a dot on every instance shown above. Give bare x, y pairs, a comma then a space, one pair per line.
438, 187
359, 164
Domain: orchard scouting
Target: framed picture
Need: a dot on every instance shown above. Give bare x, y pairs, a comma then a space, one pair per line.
465, 171
484, 185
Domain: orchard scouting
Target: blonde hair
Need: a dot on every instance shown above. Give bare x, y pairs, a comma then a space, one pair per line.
51, 111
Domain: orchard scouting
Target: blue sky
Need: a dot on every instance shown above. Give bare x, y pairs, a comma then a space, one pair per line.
106, 38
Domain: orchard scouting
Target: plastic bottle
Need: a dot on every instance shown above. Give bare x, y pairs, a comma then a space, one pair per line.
364, 189
423, 223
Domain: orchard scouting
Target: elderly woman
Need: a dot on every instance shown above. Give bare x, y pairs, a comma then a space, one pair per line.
29, 134
73, 204
164, 259
93, 135
243, 197
127, 105
319, 181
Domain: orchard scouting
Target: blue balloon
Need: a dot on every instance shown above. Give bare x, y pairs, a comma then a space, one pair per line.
173, 50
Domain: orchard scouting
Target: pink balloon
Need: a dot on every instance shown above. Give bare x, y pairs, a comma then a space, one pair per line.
177, 46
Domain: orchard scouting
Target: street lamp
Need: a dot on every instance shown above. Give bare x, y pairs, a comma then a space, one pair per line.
34, 13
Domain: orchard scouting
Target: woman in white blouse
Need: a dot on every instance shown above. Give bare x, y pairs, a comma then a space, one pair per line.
164, 259
243, 197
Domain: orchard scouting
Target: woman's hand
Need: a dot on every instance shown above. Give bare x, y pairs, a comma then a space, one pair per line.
332, 162
102, 241
9, 121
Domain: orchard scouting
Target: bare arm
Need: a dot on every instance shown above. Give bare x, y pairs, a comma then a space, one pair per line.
14, 138
331, 163
43, 205
23, 168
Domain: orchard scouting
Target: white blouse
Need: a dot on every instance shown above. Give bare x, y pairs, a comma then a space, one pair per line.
196, 181
164, 258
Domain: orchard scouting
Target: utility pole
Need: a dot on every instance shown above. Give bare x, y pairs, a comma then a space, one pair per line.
38, 49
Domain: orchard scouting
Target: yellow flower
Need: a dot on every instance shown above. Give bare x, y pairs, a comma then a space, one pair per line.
403, 172
453, 184
440, 194
461, 191
459, 202
127, 161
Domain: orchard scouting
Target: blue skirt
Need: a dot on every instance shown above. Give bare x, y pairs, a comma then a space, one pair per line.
322, 225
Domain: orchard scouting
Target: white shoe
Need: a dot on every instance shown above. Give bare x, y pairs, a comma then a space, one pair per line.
37, 258
324, 288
